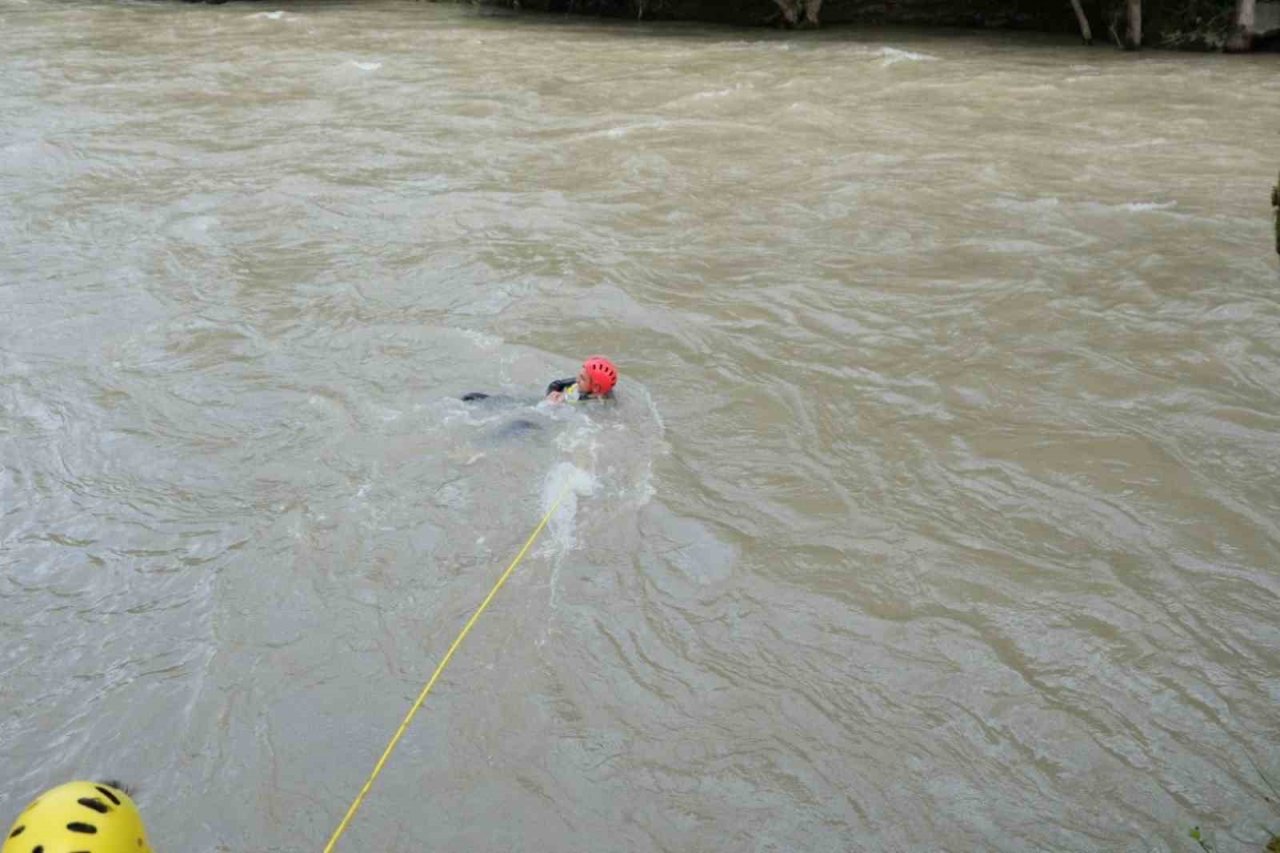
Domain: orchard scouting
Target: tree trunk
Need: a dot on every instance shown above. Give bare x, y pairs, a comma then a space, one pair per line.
1085, 32
790, 11
1133, 35
1241, 38
1275, 202
812, 7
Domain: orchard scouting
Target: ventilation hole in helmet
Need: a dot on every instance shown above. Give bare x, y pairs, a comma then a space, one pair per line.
118, 785
86, 828
97, 805
38, 850
17, 830
106, 792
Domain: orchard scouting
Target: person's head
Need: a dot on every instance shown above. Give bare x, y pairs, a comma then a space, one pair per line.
94, 817
597, 376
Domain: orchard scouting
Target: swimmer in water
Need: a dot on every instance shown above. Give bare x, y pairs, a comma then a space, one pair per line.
595, 381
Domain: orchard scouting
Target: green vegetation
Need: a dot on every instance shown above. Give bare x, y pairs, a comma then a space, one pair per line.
1206, 846
1199, 24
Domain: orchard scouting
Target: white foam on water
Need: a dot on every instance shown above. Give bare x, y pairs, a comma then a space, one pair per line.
627, 129
579, 443
565, 482
1144, 206
365, 66
1146, 143
892, 56
643, 490
1023, 204
720, 93
277, 15
481, 339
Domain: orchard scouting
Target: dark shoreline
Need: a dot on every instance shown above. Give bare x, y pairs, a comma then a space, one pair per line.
1197, 25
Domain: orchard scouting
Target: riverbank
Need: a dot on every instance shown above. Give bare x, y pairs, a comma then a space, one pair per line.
1182, 24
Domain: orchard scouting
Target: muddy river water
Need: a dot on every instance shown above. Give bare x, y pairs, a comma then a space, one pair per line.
939, 508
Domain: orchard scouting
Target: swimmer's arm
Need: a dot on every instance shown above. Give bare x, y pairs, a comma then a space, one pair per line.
555, 391
557, 386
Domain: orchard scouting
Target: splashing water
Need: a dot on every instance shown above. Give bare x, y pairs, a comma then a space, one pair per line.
570, 481
565, 482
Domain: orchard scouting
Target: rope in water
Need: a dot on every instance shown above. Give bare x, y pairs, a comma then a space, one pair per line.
466, 629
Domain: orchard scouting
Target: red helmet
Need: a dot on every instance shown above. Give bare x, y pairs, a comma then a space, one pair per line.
601, 372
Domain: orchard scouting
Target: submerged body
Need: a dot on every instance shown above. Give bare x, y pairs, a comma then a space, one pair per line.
595, 381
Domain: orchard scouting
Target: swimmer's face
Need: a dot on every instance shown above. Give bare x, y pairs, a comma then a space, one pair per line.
584, 382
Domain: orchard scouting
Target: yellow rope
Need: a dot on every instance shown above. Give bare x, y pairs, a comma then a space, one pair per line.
337, 833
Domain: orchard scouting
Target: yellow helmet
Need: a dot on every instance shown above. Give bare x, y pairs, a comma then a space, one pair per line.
79, 817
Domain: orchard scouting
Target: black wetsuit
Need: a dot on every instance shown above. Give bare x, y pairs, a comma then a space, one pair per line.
562, 385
